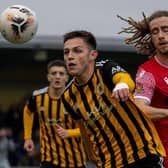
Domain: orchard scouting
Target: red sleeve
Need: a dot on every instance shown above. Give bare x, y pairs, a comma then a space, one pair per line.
145, 85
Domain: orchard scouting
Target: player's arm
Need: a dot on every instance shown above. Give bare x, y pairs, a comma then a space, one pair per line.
74, 132
152, 112
122, 81
123, 85
145, 86
123, 78
28, 118
68, 108
67, 133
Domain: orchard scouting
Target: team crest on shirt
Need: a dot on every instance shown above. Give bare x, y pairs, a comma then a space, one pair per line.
100, 88
139, 88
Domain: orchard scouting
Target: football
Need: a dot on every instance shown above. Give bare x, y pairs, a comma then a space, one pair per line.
18, 24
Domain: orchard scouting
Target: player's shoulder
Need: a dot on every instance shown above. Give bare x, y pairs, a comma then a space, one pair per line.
101, 63
149, 62
107, 62
107, 66
40, 91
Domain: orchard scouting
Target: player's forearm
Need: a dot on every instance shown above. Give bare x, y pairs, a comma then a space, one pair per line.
124, 78
152, 112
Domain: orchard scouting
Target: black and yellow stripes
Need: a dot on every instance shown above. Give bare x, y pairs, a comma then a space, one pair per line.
62, 152
120, 133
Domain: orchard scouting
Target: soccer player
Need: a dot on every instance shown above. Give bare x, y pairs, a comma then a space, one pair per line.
56, 151
120, 134
150, 36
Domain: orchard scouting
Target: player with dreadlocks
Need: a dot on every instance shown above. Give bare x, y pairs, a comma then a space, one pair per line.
150, 36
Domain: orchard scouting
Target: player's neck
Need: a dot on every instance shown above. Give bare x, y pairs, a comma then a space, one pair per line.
55, 93
84, 78
163, 59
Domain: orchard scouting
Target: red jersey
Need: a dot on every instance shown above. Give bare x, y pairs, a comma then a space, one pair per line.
152, 85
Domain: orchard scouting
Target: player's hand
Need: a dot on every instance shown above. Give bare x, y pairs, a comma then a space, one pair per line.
29, 145
63, 133
121, 92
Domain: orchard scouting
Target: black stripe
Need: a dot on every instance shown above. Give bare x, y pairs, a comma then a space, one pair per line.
43, 120
50, 117
55, 136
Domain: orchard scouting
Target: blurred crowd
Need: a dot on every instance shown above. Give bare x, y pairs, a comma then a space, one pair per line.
11, 139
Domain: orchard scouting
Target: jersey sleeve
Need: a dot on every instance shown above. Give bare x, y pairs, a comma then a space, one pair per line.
28, 117
124, 78
145, 85
111, 68
116, 74
74, 132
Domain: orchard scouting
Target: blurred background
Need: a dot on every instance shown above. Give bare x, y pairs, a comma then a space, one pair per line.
23, 67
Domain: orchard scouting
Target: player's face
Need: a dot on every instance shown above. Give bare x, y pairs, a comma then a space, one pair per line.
57, 77
79, 57
159, 32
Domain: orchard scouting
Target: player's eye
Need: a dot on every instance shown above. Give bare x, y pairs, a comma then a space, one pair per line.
165, 29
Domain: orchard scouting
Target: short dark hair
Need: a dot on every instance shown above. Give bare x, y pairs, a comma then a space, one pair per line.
88, 37
56, 62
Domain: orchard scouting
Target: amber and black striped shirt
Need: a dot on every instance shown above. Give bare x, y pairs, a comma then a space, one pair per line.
68, 153
120, 133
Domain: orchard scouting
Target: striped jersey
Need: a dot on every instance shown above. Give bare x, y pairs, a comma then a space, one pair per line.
65, 153
119, 132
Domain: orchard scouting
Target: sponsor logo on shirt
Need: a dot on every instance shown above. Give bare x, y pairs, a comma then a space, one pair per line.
139, 88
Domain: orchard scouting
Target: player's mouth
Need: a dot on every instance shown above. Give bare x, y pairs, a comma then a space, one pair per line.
71, 65
57, 82
163, 43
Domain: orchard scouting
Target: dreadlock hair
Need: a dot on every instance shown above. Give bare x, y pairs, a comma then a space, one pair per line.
141, 38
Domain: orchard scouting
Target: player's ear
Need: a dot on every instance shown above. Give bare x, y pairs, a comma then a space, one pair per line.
94, 54
48, 77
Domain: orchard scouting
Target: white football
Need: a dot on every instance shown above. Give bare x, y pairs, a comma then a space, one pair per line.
18, 24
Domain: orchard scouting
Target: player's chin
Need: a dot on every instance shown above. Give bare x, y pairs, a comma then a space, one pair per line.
164, 52
56, 86
72, 72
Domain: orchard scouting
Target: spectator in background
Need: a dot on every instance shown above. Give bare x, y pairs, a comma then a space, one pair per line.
6, 145
13, 121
